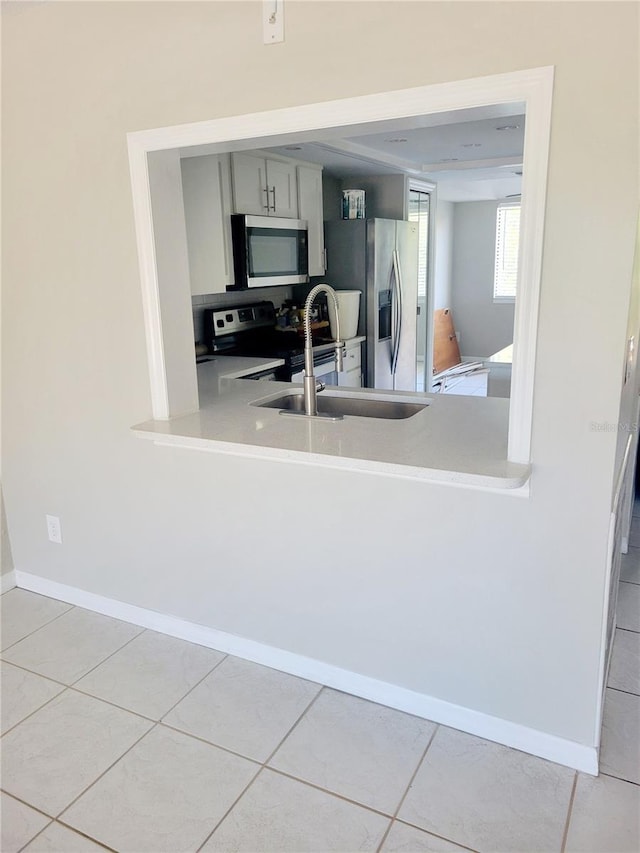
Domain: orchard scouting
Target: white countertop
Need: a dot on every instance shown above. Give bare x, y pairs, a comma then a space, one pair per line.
457, 440
212, 374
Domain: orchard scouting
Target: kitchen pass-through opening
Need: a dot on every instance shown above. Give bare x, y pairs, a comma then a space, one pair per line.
155, 157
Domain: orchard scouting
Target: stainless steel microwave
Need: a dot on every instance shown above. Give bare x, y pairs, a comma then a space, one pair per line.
269, 251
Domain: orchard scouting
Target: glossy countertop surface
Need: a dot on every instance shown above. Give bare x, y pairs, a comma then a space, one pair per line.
457, 440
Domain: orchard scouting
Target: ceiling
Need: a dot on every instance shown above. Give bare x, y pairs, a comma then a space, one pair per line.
471, 154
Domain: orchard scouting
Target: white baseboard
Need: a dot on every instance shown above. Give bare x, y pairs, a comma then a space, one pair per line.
7, 581
560, 750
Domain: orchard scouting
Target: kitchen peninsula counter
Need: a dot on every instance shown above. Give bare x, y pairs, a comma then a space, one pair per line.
455, 440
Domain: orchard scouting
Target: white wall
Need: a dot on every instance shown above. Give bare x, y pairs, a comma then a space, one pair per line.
6, 557
485, 326
443, 255
500, 612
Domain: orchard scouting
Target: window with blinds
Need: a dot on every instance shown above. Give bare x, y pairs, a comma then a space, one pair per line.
419, 204
507, 242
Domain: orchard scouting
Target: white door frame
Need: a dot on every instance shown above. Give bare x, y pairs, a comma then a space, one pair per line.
171, 357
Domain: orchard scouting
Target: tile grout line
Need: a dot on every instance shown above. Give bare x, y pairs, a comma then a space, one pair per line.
84, 674
109, 656
405, 822
24, 802
620, 690
197, 684
82, 834
40, 627
104, 772
304, 713
620, 778
338, 796
27, 843
209, 743
565, 833
396, 819
231, 808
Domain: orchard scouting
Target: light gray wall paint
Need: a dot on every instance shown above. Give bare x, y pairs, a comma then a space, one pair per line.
443, 254
485, 600
485, 326
6, 557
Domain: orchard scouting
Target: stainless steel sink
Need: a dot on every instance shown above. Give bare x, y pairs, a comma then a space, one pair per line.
337, 407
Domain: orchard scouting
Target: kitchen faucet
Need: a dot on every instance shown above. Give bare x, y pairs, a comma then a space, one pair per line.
311, 388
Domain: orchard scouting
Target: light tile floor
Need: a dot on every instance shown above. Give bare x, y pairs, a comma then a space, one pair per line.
120, 738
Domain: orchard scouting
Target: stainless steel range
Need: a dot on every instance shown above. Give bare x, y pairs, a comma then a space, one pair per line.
250, 330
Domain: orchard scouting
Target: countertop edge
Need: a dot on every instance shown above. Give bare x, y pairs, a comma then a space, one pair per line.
516, 485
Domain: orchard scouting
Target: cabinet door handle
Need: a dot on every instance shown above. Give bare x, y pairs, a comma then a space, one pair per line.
273, 190
266, 191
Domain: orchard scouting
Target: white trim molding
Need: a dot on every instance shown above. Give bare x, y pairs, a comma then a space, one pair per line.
578, 756
533, 88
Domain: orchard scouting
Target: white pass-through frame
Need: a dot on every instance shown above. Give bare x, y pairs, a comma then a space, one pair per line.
171, 354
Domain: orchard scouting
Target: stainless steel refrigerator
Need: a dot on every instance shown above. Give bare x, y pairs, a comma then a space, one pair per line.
380, 258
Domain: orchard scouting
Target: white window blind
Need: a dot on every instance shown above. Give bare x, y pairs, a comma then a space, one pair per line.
507, 242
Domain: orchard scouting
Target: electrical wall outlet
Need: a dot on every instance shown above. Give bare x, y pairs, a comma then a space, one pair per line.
53, 528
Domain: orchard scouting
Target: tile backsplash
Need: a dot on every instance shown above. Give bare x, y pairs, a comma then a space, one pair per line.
277, 295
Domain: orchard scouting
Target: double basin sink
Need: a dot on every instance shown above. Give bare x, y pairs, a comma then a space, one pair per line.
335, 407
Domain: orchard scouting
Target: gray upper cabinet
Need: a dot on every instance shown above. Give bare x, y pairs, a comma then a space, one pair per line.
206, 189
264, 186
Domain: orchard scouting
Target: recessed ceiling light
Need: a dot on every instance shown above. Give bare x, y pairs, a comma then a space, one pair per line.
509, 127
293, 147
397, 139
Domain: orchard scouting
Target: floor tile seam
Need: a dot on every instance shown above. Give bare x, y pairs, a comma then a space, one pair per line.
231, 807
565, 833
27, 803
628, 630
620, 690
56, 680
619, 778
27, 843
210, 743
197, 684
292, 728
33, 672
435, 834
631, 583
35, 711
104, 772
40, 627
407, 789
328, 791
109, 656
85, 835
113, 704
77, 689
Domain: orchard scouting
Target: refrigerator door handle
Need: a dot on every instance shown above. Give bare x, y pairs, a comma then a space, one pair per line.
397, 311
